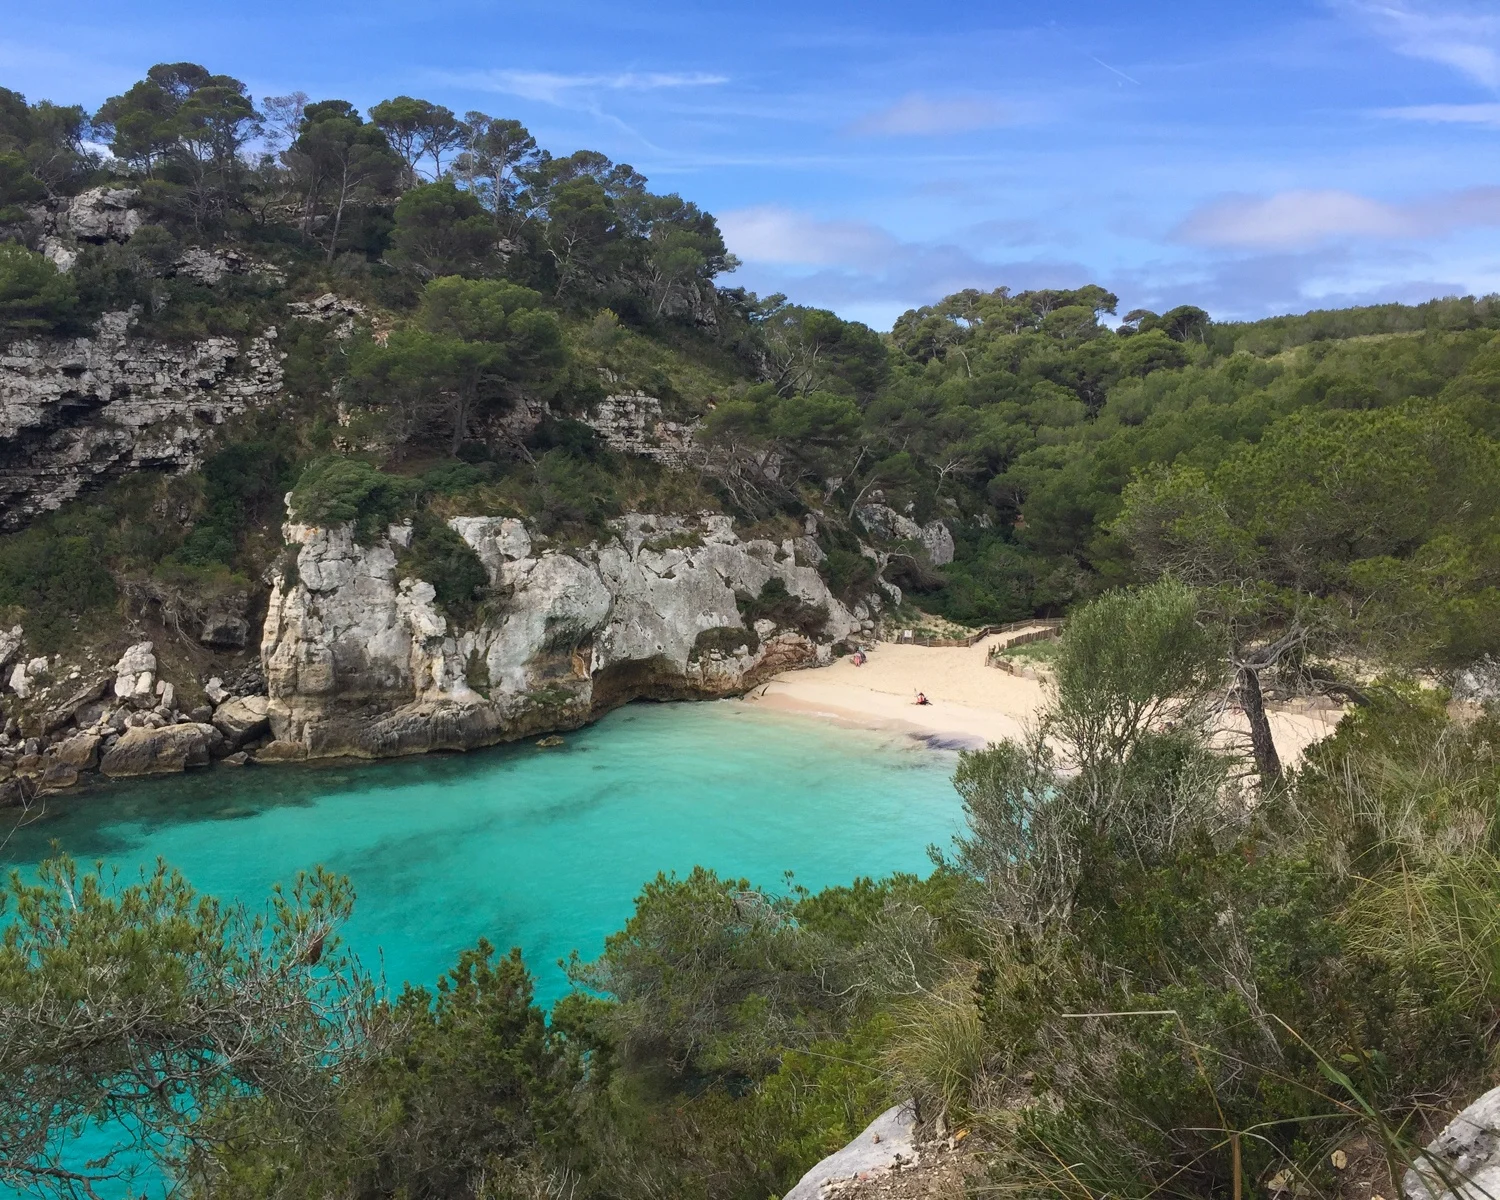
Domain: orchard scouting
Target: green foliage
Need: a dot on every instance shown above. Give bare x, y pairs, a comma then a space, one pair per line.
56, 571
34, 296
243, 484
333, 490
144, 1008
18, 187
1133, 658
465, 1085
1392, 512
441, 557
441, 230
724, 639
776, 603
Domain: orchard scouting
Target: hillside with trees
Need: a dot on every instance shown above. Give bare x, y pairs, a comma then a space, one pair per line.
1151, 967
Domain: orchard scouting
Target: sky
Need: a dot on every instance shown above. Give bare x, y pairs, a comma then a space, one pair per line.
1249, 156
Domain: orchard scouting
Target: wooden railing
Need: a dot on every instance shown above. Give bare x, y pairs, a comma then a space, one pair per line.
1052, 627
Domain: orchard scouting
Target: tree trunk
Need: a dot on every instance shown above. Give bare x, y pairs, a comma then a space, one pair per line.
1267, 761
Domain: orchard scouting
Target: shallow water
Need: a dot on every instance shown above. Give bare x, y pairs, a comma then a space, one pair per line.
542, 849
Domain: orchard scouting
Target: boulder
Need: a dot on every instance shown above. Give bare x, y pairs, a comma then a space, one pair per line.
886, 1145
225, 631
238, 759
934, 537
58, 776
242, 719
281, 752
75, 705
172, 748
215, 690
104, 214
1466, 1154
20, 681
135, 674
10, 644
80, 751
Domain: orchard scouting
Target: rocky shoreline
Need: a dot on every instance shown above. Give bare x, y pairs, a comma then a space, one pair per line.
357, 659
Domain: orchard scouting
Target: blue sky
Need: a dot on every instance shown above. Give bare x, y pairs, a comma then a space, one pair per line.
1251, 157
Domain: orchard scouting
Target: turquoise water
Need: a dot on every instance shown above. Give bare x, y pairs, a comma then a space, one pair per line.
542, 849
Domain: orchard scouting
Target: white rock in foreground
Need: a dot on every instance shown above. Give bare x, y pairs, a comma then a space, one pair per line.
1462, 1162
886, 1145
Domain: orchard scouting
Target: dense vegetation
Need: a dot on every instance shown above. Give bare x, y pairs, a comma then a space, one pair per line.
499, 278
1154, 965
1124, 979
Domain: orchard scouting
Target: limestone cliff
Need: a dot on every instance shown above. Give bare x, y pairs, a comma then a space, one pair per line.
361, 661
76, 410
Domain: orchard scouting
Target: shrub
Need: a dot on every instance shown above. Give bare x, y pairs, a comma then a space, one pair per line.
333, 490
34, 296
724, 639
775, 603
441, 557
56, 571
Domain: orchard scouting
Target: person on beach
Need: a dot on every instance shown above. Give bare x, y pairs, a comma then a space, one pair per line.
921, 699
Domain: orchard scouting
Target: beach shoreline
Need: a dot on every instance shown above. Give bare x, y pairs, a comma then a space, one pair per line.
971, 704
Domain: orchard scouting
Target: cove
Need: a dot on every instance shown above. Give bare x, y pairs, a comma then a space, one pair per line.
544, 849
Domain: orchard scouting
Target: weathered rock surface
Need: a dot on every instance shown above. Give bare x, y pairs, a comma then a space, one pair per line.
886, 1145
81, 751
242, 719
135, 673
73, 410
1462, 1162
172, 748
934, 536
359, 661
102, 214
632, 423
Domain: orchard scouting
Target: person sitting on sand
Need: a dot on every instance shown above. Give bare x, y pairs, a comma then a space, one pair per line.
921, 699
859, 658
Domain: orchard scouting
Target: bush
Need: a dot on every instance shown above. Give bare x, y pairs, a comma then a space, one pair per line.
775, 603
34, 296
441, 557
243, 483
724, 639
56, 571
333, 490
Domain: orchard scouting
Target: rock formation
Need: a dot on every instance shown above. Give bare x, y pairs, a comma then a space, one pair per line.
886, 522
361, 661
1462, 1162
76, 410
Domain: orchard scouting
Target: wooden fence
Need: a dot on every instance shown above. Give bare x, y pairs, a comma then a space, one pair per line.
1052, 627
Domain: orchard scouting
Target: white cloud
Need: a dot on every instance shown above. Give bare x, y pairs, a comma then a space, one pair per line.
864, 271
1463, 37
554, 88
916, 115
1295, 219
1449, 114
769, 234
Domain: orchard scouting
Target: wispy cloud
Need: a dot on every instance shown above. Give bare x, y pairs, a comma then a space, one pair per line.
552, 87
868, 273
919, 115
1295, 219
1447, 114
1465, 37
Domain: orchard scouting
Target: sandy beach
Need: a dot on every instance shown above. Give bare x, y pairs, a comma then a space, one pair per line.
972, 704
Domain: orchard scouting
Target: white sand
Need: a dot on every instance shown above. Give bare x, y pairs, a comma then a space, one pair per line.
972, 704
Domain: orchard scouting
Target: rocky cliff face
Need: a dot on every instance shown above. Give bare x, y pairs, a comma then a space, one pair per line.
76, 410
360, 661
